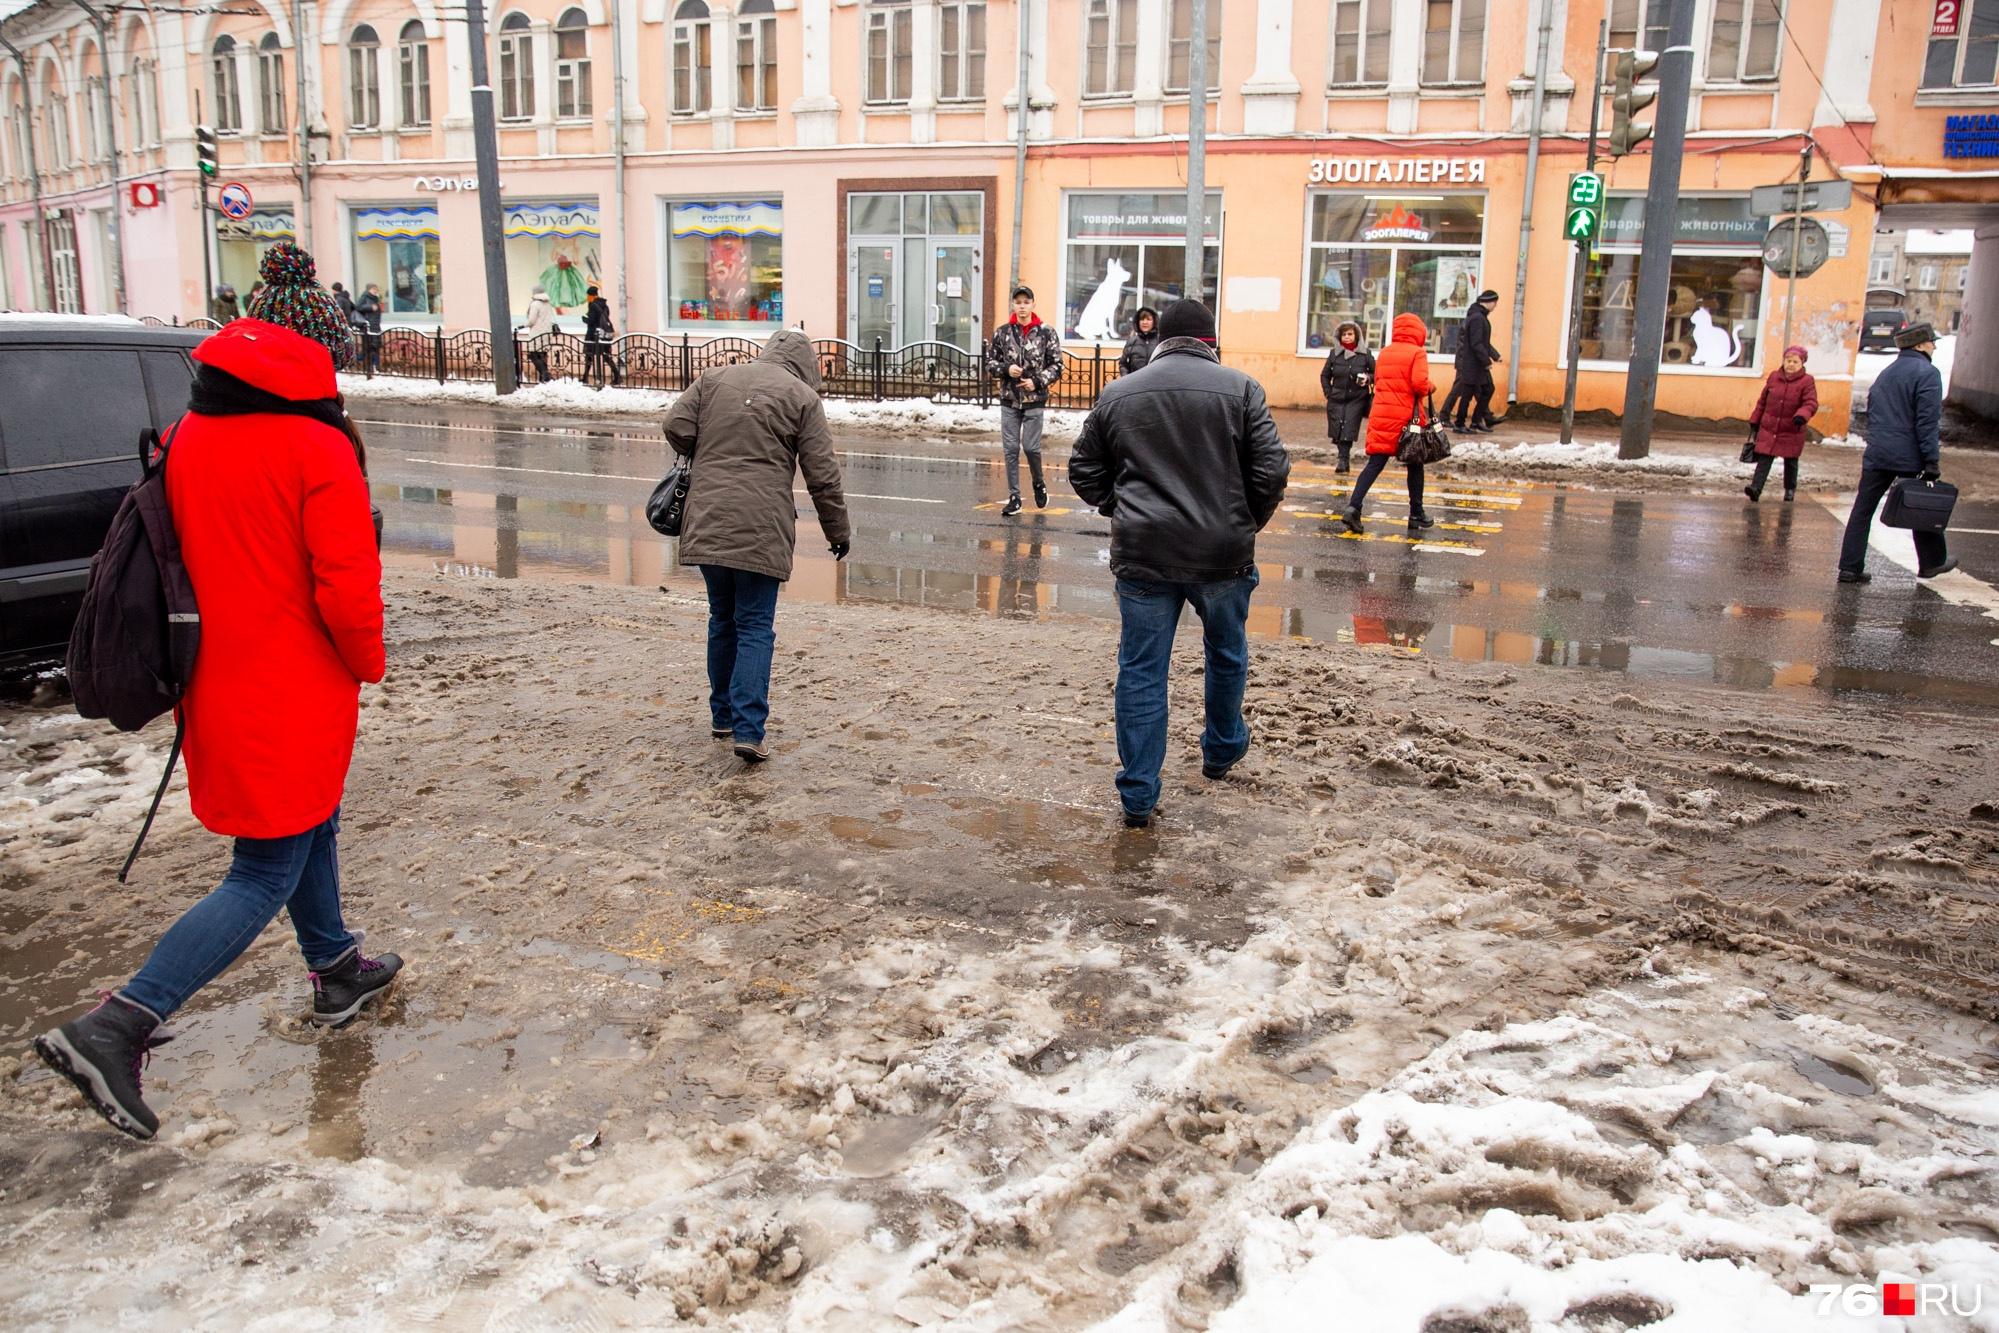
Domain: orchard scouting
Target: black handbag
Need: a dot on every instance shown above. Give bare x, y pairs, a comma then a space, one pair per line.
1921, 506
1749, 450
668, 505
1425, 442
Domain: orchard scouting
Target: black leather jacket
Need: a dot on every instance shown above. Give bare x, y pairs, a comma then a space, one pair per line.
1185, 461
1138, 349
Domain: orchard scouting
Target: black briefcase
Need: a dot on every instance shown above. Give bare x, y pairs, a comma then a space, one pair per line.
1921, 506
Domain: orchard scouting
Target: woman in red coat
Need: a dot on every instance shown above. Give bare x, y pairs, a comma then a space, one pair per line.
271, 507
1401, 383
1777, 426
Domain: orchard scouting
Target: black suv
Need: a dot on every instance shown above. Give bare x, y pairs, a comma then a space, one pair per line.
75, 395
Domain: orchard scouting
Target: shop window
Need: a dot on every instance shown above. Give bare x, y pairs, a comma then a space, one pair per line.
516, 67
1970, 58
725, 265
756, 56
890, 52
1123, 251
572, 65
692, 57
1110, 48
1180, 45
228, 96
396, 249
1638, 23
1360, 42
1714, 308
364, 89
961, 51
270, 86
413, 64
1372, 257
240, 246
1454, 41
1744, 41
557, 247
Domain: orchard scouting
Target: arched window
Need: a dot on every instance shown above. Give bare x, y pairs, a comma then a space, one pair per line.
413, 57
144, 89
228, 98
364, 79
271, 85
692, 58
55, 117
572, 64
516, 67
756, 56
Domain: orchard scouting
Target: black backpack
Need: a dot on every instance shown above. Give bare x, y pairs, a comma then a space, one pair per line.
131, 653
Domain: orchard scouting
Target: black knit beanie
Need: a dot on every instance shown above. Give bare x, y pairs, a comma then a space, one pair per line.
1187, 318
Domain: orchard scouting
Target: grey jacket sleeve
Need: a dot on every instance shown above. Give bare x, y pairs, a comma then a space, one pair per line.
822, 472
1928, 415
1269, 467
1090, 466
682, 421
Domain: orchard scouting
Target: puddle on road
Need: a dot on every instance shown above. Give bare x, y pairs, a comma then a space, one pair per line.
1831, 1076
883, 1144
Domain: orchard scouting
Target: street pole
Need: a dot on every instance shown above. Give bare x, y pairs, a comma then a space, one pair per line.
1191, 282
1527, 200
35, 178
103, 26
1019, 151
618, 152
304, 128
207, 258
1797, 232
1576, 285
1662, 224
486, 150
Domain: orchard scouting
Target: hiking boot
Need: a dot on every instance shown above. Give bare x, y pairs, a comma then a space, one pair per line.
752, 752
1755, 496
1346, 451
350, 981
1418, 520
1855, 576
102, 1053
1949, 563
1790, 494
1143, 820
1351, 520
1012, 508
1040, 496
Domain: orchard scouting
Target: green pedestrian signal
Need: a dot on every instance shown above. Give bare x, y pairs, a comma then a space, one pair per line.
1582, 224
1585, 188
1585, 215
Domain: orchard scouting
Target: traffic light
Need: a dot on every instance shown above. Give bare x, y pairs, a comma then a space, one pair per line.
1624, 134
204, 150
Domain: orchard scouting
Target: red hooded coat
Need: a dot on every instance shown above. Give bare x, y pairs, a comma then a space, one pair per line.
1401, 380
272, 513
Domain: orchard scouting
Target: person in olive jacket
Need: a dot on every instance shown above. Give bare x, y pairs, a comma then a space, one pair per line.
747, 429
1347, 380
1144, 337
1777, 426
1025, 357
1184, 460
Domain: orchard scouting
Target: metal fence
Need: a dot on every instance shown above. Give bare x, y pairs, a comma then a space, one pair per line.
937, 371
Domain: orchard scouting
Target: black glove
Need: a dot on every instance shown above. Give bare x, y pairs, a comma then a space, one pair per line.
840, 549
1932, 473
1798, 421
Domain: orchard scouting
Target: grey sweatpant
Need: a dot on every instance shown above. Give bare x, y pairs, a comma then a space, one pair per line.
1020, 429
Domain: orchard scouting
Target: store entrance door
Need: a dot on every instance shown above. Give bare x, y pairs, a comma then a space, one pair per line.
956, 288
916, 269
872, 267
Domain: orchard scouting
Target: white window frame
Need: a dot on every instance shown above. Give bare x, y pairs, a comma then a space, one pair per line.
1881, 269
1110, 30
227, 85
960, 63
756, 55
888, 50
1184, 46
364, 79
1453, 74
516, 49
1365, 41
1962, 43
271, 118
693, 74
145, 84
1746, 21
1929, 277
413, 77
572, 73
96, 117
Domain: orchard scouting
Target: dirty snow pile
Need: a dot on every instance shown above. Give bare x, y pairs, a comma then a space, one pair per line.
1554, 458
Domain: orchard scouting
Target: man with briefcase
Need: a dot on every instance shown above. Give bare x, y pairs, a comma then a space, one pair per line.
1904, 410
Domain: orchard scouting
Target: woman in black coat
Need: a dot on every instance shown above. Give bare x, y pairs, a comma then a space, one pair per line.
1347, 380
1143, 338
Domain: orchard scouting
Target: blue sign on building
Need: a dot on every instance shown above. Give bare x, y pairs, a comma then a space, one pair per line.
1971, 136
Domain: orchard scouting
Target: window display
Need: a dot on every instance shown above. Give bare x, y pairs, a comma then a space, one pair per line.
725, 265
1130, 250
1371, 257
555, 245
1714, 308
240, 246
396, 249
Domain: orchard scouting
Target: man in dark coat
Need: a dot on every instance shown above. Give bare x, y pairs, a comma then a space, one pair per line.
1471, 391
368, 309
1904, 409
1025, 357
748, 429
1184, 460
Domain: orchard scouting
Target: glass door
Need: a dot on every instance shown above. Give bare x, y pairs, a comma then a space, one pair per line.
956, 290
872, 274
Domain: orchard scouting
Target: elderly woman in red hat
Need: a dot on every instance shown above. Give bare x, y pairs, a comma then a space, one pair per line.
1777, 426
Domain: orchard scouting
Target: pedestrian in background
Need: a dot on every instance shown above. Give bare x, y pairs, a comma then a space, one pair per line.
598, 331
536, 325
290, 296
368, 308
1904, 414
1401, 383
1184, 460
222, 306
1026, 357
271, 508
1472, 387
1347, 380
746, 430
1139, 344
1777, 427
345, 302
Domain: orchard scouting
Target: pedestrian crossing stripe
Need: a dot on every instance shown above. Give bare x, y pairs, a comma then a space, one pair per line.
1462, 498
997, 504
1420, 543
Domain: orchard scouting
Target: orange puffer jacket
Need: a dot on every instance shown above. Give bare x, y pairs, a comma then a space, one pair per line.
1401, 381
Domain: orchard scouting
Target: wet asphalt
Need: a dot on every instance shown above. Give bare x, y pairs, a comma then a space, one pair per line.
1687, 587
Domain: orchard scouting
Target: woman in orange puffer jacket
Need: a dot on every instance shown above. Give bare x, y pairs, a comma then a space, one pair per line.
1401, 383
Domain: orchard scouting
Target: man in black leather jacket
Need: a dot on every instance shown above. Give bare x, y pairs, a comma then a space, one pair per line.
1183, 458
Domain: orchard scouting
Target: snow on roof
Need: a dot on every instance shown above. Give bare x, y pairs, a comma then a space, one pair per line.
1921, 242
9, 8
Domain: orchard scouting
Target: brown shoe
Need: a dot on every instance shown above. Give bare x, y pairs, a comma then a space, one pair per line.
752, 752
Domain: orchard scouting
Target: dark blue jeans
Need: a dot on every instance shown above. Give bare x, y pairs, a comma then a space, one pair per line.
300, 873
742, 633
1150, 614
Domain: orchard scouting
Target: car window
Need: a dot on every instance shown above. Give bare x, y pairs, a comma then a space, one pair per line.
168, 377
71, 404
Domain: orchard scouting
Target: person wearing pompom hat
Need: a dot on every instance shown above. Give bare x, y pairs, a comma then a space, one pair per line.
291, 297
1777, 426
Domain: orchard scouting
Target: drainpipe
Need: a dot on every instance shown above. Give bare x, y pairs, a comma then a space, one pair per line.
618, 152
1527, 201
1193, 276
35, 174
103, 27
1019, 160
304, 127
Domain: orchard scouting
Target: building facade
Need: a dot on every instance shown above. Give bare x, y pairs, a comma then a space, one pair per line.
849, 166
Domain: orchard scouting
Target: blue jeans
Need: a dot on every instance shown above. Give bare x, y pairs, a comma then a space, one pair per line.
742, 634
1150, 614
300, 872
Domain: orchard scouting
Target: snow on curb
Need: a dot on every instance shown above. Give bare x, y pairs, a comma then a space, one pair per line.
898, 416
1557, 459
